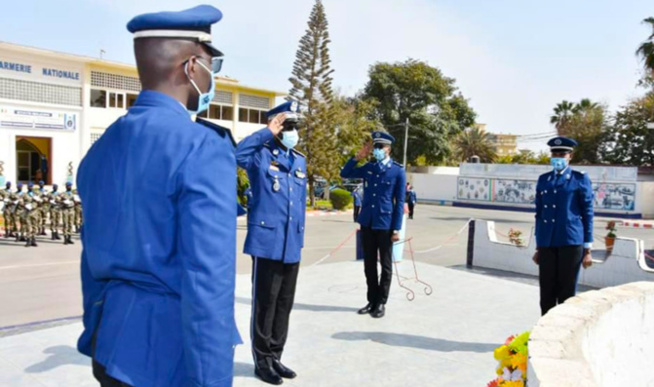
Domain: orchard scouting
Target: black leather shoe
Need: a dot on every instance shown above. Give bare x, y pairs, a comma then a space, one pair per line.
282, 370
268, 375
379, 311
34, 243
366, 309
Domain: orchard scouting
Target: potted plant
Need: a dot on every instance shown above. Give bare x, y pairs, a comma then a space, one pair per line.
515, 237
609, 239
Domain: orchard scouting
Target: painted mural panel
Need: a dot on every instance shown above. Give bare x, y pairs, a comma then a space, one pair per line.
470, 188
615, 196
608, 196
514, 191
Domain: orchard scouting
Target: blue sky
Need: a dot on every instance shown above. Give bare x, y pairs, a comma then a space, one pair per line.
513, 59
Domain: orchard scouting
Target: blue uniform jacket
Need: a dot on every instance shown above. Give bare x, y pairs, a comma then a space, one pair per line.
411, 197
383, 193
159, 241
279, 196
356, 198
564, 209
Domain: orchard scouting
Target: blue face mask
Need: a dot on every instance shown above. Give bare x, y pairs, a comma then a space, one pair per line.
379, 154
204, 99
290, 139
558, 163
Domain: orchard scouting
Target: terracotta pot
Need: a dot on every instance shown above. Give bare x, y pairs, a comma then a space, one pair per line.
609, 242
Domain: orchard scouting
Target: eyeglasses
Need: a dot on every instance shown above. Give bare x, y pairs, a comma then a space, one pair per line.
215, 66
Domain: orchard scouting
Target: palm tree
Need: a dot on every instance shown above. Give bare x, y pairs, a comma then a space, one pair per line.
474, 142
562, 113
646, 49
584, 107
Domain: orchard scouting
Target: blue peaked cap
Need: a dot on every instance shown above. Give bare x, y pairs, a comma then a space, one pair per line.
287, 107
192, 24
382, 138
562, 144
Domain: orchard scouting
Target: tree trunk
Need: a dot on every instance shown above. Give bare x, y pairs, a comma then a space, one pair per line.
312, 195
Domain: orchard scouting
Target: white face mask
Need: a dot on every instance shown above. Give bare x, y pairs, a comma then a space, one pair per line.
290, 138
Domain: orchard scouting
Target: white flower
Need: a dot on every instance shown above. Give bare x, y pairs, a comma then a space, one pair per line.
511, 376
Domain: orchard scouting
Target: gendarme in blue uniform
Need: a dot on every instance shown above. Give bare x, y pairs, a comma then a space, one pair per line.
159, 240
383, 193
276, 214
564, 209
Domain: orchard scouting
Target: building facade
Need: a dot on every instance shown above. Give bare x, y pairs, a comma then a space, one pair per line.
53, 106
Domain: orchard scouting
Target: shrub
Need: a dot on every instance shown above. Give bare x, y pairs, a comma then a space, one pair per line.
340, 199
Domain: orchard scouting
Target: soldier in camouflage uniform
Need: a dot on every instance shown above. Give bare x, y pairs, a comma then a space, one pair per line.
30, 215
44, 208
55, 212
7, 214
67, 203
18, 213
78, 212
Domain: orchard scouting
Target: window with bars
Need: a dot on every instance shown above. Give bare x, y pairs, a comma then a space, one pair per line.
224, 97
40, 92
115, 81
252, 116
95, 137
252, 101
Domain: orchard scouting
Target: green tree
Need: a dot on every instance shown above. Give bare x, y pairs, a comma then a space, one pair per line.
474, 142
629, 141
311, 82
587, 123
416, 91
562, 113
646, 49
353, 125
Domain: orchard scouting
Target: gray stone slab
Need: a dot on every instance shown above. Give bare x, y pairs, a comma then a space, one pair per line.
439, 340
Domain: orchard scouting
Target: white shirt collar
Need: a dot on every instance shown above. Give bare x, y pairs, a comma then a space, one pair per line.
386, 161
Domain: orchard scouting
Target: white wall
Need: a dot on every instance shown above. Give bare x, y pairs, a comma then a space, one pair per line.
645, 199
433, 188
626, 263
600, 338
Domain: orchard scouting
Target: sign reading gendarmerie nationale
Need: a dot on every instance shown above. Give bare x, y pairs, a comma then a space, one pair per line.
14, 67
20, 118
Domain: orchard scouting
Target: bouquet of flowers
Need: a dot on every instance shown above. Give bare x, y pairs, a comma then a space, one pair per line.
512, 358
515, 237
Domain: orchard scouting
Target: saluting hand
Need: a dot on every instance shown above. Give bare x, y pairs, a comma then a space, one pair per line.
588, 261
364, 152
277, 124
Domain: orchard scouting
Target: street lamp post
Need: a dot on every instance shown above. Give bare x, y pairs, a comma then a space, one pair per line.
406, 140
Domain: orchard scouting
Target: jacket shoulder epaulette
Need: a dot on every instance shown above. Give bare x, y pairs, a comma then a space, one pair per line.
221, 130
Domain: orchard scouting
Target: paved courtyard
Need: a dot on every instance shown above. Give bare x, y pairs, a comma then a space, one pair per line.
443, 339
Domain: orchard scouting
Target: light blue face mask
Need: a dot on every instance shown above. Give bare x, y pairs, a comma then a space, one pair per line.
558, 163
290, 139
379, 154
204, 99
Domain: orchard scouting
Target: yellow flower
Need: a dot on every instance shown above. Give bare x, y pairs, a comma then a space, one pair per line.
519, 360
516, 383
502, 353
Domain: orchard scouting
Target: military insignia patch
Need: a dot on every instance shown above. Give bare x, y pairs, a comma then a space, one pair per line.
276, 152
276, 186
300, 174
274, 168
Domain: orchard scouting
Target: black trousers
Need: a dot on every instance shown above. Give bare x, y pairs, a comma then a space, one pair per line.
273, 292
558, 270
377, 243
357, 209
105, 380
411, 206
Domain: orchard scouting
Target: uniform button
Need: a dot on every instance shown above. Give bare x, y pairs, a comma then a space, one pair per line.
554, 206
263, 222
545, 220
377, 175
291, 189
545, 206
289, 175
291, 203
373, 206
374, 194
554, 191
375, 185
290, 218
553, 220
